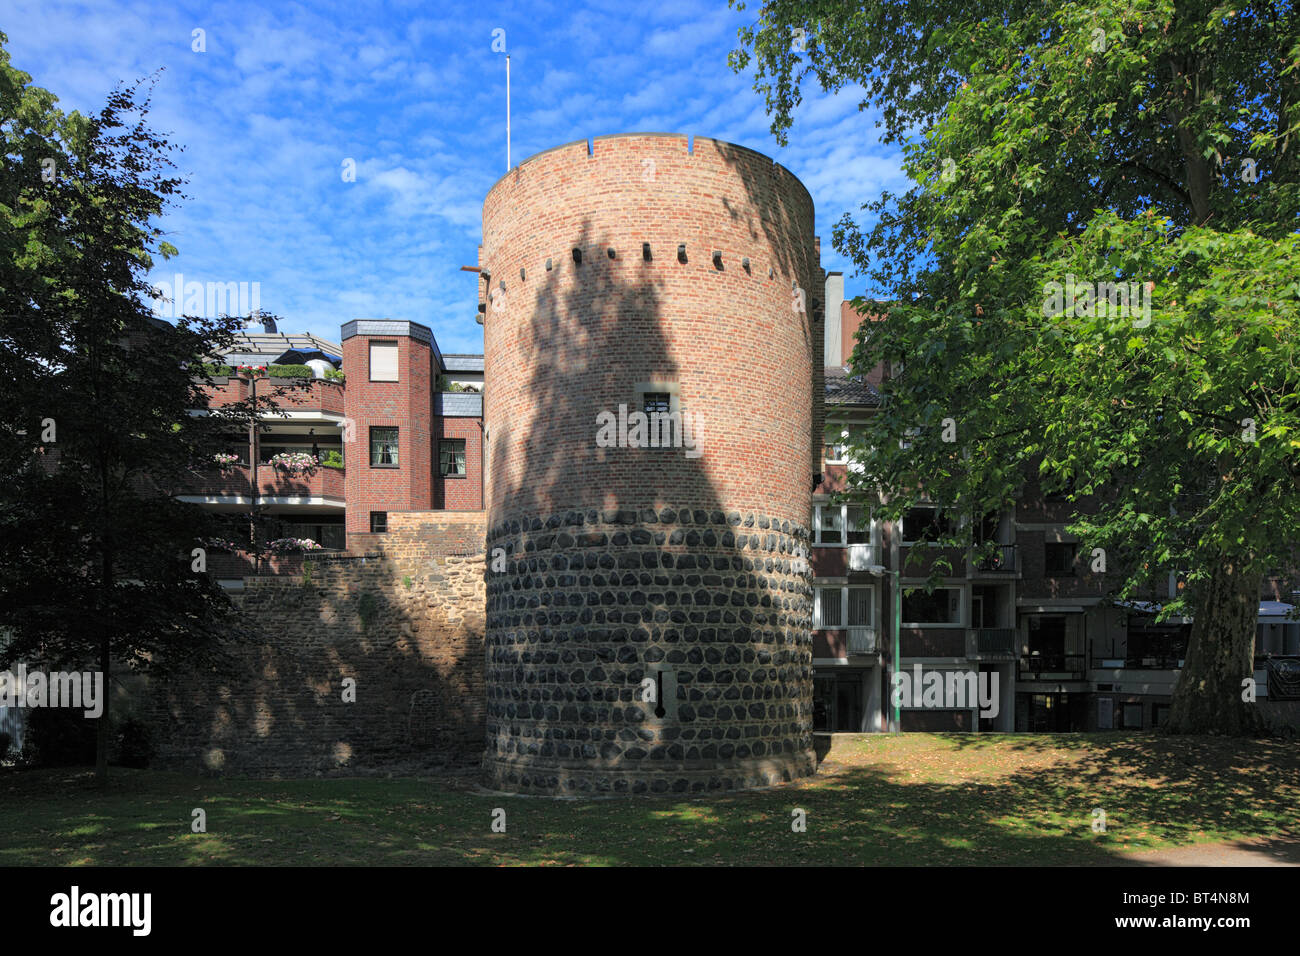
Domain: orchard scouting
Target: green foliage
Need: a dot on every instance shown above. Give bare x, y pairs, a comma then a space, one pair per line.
289, 371
94, 553
332, 458
406, 582
335, 375
135, 747
307, 568
217, 370
1060, 146
367, 606
58, 737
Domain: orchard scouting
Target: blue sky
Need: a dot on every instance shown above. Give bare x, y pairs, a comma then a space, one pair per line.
413, 93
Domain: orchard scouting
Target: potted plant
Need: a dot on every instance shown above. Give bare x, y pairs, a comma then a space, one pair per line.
225, 461
287, 545
251, 371
294, 462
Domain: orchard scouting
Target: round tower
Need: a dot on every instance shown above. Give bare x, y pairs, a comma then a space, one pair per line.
652, 340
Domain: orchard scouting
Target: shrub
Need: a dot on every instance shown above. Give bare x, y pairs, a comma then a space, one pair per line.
290, 371
58, 737
214, 369
332, 459
134, 744
335, 375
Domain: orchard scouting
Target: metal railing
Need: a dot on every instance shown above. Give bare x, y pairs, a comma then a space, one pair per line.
862, 640
992, 642
1072, 664
1003, 559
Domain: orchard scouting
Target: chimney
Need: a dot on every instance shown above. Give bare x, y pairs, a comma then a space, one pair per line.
832, 352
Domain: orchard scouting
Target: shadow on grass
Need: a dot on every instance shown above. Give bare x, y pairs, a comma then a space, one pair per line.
913, 800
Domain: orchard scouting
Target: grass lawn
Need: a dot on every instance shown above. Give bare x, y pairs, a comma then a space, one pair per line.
930, 799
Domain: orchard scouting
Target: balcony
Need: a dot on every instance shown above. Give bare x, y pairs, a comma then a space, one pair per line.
862, 557
1002, 561
302, 398
862, 640
1052, 666
1160, 662
991, 643
274, 487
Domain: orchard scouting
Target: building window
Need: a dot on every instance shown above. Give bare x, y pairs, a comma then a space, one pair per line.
379, 522
839, 607
862, 607
1058, 558
842, 524
1132, 716
451, 458
857, 524
925, 524
941, 606
383, 447
657, 403
829, 609
836, 452
383, 361
1159, 714
830, 524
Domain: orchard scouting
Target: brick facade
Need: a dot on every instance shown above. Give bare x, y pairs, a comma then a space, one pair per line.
632, 564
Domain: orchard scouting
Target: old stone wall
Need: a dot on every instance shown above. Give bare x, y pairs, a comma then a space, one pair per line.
406, 625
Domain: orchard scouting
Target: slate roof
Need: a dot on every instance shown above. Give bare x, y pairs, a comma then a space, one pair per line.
843, 389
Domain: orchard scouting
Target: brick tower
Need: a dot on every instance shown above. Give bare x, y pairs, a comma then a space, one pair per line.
649, 608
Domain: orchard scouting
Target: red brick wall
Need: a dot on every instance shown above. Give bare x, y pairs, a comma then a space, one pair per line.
460, 494
405, 404
574, 341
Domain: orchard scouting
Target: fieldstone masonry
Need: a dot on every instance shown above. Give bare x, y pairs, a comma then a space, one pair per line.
590, 604
406, 623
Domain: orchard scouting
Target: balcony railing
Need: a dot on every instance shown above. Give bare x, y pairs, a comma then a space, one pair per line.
1053, 665
1003, 560
862, 640
271, 482
861, 556
1147, 662
992, 642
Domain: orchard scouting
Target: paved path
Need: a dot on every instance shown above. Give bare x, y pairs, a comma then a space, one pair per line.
1256, 852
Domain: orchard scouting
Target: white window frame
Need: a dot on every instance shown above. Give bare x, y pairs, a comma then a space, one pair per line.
909, 542
844, 624
873, 527
840, 446
963, 605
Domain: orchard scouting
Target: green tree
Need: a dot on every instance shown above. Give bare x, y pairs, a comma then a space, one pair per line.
1092, 276
96, 436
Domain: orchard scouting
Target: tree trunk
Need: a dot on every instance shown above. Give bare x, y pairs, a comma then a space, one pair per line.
1220, 656
102, 728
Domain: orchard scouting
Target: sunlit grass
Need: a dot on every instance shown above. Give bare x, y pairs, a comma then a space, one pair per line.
937, 800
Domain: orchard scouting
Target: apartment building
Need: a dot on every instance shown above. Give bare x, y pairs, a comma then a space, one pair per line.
399, 430
1038, 614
